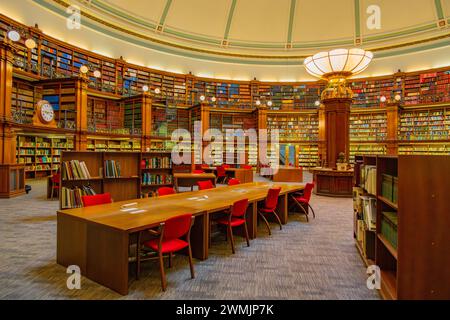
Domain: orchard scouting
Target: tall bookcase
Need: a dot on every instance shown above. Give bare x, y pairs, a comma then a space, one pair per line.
412, 223
300, 130
41, 154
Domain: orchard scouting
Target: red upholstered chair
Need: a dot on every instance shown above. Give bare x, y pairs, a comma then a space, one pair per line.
97, 199
233, 182
173, 236
196, 171
303, 199
204, 166
205, 185
270, 206
236, 218
247, 167
55, 183
221, 174
165, 191
226, 166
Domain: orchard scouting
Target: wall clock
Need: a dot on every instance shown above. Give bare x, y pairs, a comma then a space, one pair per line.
44, 114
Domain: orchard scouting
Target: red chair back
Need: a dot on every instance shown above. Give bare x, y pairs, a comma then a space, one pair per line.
204, 185
204, 166
198, 171
239, 208
233, 182
164, 191
226, 166
177, 227
247, 167
97, 199
272, 198
55, 178
198, 167
221, 171
308, 190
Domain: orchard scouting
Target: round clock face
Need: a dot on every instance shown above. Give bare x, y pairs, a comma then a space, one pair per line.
46, 111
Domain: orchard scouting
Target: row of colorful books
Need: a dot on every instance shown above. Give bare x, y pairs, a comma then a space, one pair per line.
112, 169
71, 198
152, 179
156, 163
75, 170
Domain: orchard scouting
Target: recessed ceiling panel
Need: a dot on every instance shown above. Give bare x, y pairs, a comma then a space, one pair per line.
323, 20
260, 20
202, 17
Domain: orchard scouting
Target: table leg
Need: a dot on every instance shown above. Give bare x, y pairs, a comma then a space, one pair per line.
282, 208
200, 236
107, 257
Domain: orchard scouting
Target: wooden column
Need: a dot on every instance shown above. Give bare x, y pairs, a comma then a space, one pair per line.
322, 142
392, 111
337, 114
146, 121
7, 135
82, 109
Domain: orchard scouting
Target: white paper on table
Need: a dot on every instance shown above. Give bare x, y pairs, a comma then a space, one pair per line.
138, 211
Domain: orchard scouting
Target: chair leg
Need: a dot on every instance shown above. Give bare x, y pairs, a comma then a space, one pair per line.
314, 214
246, 234
230, 231
191, 264
303, 209
170, 259
266, 222
278, 219
138, 256
161, 270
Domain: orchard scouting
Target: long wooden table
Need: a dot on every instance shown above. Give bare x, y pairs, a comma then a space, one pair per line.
244, 175
288, 174
97, 238
190, 179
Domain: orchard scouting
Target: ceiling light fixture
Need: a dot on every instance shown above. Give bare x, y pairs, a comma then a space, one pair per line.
84, 69
14, 35
97, 74
30, 44
336, 66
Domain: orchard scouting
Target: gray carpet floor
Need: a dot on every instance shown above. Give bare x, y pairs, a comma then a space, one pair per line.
315, 260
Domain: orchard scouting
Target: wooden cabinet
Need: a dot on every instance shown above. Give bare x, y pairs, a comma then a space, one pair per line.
333, 183
12, 180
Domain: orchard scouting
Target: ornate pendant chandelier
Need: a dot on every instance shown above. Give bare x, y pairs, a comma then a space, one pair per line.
336, 66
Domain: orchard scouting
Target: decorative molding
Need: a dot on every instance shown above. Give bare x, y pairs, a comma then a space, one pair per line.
229, 20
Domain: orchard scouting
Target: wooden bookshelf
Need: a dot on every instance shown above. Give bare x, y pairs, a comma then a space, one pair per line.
103, 143
41, 154
419, 247
24, 97
422, 124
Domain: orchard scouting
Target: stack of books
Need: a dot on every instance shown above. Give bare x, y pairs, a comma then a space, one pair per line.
112, 169
156, 179
75, 170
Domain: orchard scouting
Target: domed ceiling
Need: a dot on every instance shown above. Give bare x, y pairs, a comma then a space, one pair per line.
272, 28
264, 32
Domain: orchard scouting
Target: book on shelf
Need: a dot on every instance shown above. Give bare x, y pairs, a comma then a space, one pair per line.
112, 169
75, 170
369, 205
71, 198
156, 179
369, 178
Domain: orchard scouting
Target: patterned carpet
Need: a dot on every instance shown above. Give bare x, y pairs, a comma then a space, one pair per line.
315, 260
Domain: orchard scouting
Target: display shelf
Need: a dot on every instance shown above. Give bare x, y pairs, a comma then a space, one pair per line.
24, 97
41, 155
100, 143
368, 126
366, 148
424, 124
294, 127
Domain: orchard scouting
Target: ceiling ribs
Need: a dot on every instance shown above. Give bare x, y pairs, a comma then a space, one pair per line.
291, 23
162, 21
229, 21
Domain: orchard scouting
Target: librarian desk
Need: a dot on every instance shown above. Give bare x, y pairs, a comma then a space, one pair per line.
191, 179
97, 238
243, 175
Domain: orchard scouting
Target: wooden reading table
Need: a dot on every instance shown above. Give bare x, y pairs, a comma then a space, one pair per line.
190, 179
97, 238
244, 175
